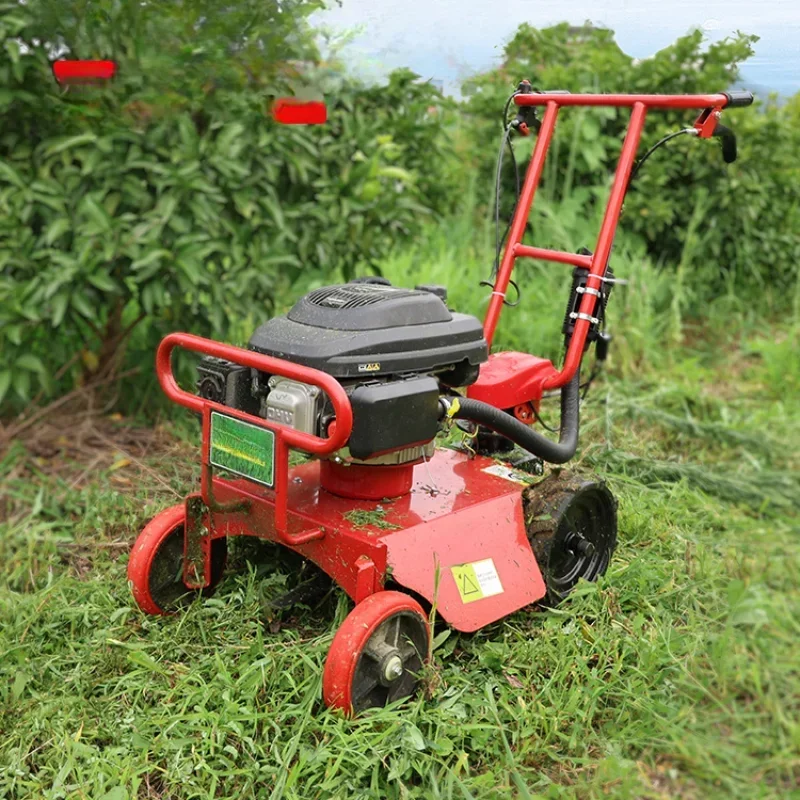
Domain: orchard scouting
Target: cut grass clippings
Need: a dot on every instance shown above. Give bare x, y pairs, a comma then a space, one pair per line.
374, 518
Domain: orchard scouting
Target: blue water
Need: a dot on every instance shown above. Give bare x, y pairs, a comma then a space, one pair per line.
449, 40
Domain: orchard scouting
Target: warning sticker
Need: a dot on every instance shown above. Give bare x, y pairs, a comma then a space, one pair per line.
477, 580
509, 474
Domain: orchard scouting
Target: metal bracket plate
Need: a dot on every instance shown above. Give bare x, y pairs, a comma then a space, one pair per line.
197, 544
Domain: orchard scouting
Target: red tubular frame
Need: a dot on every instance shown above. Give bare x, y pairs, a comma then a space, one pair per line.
285, 437
596, 263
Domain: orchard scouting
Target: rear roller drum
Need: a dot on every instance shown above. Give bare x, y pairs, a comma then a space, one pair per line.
572, 528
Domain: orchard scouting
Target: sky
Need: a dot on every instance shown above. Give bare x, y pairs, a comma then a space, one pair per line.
448, 40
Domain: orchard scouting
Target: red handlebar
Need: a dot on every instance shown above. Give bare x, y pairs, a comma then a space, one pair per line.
721, 100
275, 366
553, 101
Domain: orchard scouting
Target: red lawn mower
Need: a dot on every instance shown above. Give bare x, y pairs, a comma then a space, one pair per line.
361, 378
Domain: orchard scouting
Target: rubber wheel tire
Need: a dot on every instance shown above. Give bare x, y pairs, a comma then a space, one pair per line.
352, 680
556, 509
155, 567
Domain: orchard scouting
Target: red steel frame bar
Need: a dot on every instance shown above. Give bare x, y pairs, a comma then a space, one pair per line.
532, 177
662, 101
285, 437
597, 262
540, 253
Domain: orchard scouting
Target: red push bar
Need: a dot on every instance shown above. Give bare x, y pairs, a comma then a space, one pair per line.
274, 366
596, 263
285, 437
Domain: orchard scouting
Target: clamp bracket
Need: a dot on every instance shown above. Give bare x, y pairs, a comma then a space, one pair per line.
587, 317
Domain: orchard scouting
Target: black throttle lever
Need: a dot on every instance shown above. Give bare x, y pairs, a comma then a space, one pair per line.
728, 142
526, 115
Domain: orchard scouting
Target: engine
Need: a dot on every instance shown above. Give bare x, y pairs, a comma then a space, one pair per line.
392, 349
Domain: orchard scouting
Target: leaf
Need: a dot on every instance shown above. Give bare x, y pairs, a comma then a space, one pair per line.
90, 360
97, 214
18, 687
398, 173
514, 681
229, 141
413, 736
12, 48
5, 382
82, 305
31, 363
117, 793
22, 384
57, 228
14, 334
152, 257
141, 659
102, 281
60, 303
11, 175
60, 145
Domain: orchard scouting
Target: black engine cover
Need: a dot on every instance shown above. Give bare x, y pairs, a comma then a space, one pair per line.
358, 329
388, 416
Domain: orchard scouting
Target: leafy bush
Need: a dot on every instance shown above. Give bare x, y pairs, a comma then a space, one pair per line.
186, 208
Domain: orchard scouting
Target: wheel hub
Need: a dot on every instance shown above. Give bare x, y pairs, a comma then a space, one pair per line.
390, 661
573, 531
578, 544
392, 668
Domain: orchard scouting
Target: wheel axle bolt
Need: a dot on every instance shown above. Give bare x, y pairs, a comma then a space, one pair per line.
579, 545
393, 669
584, 547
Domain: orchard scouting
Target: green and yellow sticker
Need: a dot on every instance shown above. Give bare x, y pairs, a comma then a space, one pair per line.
242, 448
477, 580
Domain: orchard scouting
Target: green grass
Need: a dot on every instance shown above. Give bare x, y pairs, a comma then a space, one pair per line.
675, 676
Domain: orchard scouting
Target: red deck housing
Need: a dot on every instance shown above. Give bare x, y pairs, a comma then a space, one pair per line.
456, 513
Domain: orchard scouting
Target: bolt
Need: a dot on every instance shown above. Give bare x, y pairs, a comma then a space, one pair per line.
578, 544
585, 548
393, 668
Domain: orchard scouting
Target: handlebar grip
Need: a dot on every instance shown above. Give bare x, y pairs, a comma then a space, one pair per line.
738, 99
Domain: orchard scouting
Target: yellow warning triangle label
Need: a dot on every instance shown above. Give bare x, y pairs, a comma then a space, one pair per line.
476, 580
468, 584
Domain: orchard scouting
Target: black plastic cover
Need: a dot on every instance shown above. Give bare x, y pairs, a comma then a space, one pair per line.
393, 415
365, 330
227, 383
367, 307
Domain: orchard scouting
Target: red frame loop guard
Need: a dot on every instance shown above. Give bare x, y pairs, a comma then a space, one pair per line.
275, 366
624, 100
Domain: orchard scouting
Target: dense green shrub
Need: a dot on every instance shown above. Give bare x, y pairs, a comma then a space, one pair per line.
186, 207
749, 234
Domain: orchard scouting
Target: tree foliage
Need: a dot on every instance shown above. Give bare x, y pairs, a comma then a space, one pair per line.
170, 198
